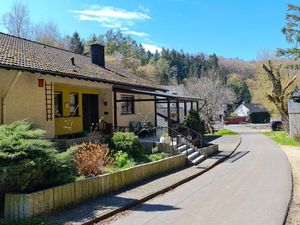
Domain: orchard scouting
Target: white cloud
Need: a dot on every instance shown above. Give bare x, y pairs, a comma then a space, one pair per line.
151, 48
110, 16
135, 33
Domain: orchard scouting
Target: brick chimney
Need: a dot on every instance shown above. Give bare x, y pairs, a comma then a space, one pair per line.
98, 54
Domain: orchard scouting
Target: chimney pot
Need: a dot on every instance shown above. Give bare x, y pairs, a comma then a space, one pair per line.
73, 61
98, 55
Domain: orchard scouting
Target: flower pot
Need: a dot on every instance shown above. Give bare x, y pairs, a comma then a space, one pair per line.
166, 140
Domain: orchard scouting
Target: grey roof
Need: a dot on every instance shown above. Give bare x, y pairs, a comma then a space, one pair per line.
255, 107
22, 54
177, 90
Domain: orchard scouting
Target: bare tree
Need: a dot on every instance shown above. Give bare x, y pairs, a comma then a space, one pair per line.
48, 33
214, 92
280, 92
17, 21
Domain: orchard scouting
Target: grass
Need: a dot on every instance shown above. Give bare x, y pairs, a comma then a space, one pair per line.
223, 132
282, 138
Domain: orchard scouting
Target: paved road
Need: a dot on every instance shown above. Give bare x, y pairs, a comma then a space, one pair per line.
253, 187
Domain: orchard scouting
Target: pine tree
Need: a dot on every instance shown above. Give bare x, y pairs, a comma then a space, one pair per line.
76, 44
292, 32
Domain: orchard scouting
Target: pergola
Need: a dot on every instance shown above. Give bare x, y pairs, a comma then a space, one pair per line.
159, 97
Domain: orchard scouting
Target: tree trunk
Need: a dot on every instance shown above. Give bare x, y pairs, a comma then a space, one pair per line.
285, 122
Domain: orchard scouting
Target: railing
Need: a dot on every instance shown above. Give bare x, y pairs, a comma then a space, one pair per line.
178, 138
191, 132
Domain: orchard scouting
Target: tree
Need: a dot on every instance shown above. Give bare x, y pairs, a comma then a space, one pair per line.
240, 88
76, 44
17, 21
292, 32
280, 92
48, 33
163, 71
214, 92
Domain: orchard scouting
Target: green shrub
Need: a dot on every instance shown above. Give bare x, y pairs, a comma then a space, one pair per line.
30, 162
33, 221
194, 122
122, 160
127, 142
157, 156
65, 170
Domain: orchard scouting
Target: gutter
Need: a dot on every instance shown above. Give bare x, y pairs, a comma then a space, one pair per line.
4, 98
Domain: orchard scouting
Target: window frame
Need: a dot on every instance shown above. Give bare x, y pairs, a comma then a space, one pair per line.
76, 104
61, 109
130, 109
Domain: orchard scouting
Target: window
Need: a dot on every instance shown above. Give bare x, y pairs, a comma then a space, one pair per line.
74, 107
128, 106
58, 104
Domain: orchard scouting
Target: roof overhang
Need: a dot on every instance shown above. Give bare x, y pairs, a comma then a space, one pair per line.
159, 94
80, 77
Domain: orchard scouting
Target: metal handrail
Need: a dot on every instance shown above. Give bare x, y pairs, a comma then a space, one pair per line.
194, 132
178, 134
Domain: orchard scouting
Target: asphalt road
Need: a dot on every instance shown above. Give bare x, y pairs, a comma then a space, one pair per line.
253, 187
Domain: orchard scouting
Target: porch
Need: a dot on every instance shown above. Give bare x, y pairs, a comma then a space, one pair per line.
166, 119
169, 109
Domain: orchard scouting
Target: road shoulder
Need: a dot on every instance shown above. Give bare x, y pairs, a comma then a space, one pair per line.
293, 154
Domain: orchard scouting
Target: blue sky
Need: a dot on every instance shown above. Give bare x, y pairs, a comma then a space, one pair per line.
229, 28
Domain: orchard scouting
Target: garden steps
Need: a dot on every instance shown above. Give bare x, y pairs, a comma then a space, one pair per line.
193, 155
199, 159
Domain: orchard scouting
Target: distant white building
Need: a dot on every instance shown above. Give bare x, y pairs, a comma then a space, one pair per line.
255, 112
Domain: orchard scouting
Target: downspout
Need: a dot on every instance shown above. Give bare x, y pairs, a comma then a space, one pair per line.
4, 98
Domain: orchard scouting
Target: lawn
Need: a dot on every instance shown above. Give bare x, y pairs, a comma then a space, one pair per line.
223, 133
282, 138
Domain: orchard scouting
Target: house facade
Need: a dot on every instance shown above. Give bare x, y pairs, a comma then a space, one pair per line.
65, 93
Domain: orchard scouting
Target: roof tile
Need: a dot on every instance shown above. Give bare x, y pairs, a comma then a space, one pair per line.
26, 54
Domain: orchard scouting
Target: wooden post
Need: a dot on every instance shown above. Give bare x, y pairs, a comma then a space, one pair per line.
115, 111
185, 109
155, 112
197, 105
192, 107
169, 112
177, 108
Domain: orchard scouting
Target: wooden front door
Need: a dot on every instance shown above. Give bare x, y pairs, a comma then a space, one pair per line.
90, 111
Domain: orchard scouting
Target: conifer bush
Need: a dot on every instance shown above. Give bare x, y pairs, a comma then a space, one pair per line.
194, 122
29, 161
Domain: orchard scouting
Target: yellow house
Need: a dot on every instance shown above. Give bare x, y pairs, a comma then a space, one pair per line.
67, 93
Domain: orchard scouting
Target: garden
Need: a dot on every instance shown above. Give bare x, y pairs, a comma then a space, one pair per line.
30, 162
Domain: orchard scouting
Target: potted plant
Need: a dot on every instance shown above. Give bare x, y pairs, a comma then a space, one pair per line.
165, 138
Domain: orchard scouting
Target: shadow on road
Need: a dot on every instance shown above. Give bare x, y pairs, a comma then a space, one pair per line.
154, 207
236, 156
212, 138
